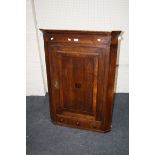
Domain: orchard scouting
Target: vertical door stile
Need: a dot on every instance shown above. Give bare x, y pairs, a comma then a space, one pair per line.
95, 84
60, 82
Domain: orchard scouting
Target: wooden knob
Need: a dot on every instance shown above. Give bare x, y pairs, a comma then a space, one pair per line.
77, 123
61, 120
94, 126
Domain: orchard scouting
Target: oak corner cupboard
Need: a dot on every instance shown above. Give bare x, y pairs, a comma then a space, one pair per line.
81, 72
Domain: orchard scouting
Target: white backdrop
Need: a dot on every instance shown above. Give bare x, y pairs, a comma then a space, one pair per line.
78, 15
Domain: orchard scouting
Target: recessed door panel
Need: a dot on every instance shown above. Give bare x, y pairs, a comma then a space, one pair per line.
77, 83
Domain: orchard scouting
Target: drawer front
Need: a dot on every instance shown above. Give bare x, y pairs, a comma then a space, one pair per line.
78, 122
78, 39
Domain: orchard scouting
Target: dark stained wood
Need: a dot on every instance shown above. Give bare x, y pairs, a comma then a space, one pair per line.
81, 72
106, 33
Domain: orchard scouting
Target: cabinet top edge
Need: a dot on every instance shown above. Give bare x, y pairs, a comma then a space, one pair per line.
107, 33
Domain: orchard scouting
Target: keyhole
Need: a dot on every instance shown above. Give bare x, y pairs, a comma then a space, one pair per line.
77, 85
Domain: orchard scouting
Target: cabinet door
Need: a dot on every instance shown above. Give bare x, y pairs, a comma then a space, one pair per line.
74, 78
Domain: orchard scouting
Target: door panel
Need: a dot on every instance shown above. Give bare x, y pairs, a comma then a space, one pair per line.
77, 72
77, 83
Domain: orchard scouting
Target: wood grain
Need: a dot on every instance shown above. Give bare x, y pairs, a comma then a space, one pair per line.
81, 72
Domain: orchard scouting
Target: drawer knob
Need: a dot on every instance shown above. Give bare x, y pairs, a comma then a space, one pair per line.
61, 120
94, 126
76, 39
99, 40
77, 123
52, 38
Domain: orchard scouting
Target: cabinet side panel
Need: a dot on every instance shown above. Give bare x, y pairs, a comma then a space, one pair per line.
105, 88
111, 80
100, 85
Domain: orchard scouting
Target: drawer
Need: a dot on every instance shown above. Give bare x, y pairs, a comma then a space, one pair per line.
78, 39
78, 122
